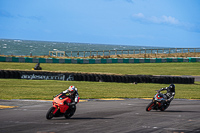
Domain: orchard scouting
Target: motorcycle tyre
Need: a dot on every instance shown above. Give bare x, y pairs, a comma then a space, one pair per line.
49, 114
162, 108
70, 112
149, 105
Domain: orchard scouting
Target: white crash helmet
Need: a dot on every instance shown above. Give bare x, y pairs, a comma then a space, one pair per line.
71, 89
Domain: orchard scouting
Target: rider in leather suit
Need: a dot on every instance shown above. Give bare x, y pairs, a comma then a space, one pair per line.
73, 93
169, 95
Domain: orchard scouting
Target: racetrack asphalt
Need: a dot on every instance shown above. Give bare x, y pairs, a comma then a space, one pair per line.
100, 116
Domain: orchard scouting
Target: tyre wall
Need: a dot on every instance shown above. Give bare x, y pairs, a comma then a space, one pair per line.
98, 61
45, 75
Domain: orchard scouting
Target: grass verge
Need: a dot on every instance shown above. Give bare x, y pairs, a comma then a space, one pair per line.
45, 89
185, 68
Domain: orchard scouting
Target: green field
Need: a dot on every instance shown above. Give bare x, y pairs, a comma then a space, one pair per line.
45, 89
140, 68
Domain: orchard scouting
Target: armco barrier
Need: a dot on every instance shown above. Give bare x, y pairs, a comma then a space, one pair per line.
68, 76
98, 61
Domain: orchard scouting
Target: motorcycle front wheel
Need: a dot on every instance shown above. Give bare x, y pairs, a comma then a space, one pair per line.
149, 106
49, 114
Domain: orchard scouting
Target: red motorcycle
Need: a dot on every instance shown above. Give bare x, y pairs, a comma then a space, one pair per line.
157, 103
61, 107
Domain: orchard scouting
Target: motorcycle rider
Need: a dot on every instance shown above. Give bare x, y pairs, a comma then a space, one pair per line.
73, 93
169, 95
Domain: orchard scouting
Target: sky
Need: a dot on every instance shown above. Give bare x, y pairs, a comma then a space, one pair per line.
160, 23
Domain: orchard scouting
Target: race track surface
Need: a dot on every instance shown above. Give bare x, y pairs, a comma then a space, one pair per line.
100, 116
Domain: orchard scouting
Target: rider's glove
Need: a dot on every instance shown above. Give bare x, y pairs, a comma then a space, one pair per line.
168, 101
66, 91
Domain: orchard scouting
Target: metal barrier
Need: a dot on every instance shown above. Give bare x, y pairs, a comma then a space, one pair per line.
122, 52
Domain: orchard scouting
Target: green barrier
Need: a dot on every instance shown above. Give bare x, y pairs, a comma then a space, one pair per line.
15, 59
55, 60
2, 59
146, 60
68, 61
180, 60
103, 61
91, 61
28, 60
98, 61
79, 61
136, 61
114, 60
192, 60
158, 60
169, 60
42, 60
125, 60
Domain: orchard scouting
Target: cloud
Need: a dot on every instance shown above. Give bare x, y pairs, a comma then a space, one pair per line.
157, 20
130, 1
169, 20
4, 13
166, 20
30, 17
139, 16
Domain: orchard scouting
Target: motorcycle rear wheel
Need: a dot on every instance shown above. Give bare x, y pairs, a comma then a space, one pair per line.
149, 106
49, 114
70, 112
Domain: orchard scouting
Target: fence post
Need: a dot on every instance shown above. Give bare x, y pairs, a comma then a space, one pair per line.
169, 50
115, 52
128, 52
71, 53
109, 52
103, 53
122, 52
90, 53
97, 53
78, 54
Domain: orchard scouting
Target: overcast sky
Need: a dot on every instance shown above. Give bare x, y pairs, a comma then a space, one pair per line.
170, 23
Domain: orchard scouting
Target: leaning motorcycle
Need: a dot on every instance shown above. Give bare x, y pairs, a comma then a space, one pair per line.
158, 102
61, 107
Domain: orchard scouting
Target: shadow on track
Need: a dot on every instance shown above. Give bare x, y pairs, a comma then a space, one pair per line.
88, 118
80, 118
178, 111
